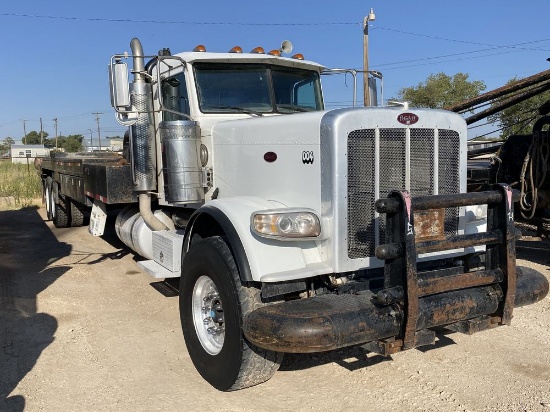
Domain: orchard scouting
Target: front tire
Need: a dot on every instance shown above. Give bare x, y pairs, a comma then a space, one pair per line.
213, 303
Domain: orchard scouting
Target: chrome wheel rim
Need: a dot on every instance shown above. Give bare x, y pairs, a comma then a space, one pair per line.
48, 200
52, 204
208, 317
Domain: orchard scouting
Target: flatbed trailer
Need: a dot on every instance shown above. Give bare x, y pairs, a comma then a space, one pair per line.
73, 182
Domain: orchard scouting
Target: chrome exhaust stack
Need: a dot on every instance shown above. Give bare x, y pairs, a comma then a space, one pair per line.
142, 138
143, 149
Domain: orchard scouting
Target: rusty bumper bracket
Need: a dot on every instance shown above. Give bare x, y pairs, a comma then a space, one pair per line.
402, 247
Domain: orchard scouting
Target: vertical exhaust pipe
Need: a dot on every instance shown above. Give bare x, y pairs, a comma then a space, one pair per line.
142, 136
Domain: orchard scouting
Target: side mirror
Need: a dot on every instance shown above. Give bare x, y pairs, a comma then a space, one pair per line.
118, 82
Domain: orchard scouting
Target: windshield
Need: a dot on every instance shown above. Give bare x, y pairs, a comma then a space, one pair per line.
256, 89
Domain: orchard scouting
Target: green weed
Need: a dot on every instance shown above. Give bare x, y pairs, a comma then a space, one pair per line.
20, 186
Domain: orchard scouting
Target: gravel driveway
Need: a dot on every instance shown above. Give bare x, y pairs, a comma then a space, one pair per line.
82, 329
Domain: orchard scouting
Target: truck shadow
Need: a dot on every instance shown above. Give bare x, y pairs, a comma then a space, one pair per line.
354, 358
27, 249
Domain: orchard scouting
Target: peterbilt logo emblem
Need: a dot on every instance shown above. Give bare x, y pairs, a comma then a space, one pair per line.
407, 118
307, 157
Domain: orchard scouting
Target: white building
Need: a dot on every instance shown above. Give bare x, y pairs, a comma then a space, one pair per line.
107, 145
23, 153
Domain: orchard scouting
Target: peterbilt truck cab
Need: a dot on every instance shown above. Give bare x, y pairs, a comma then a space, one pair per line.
297, 229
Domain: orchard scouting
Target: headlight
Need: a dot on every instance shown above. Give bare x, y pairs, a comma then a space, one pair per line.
286, 224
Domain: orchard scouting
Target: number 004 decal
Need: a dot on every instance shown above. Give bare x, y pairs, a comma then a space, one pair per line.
307, 157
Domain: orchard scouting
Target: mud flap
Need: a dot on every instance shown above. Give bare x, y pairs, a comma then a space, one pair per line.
98, 218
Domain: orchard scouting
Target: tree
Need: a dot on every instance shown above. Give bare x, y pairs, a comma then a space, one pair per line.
440, 91
5, 146
519, 118
72, 143
34, 137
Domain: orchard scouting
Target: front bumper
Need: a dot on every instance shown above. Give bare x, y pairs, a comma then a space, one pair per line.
329, 321
412, 303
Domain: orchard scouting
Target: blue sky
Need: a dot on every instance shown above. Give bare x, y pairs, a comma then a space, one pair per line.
56, 52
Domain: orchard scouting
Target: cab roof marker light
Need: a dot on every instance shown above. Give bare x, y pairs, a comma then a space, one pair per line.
286, 224
275, 53
236, 49
258, 50
200, 48
298, 56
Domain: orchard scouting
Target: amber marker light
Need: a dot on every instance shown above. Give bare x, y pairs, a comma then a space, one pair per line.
236, 49
298, 56
275, 53
257, 50
200, 48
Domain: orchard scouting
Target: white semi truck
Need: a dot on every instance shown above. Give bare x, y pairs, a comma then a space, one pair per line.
293, 228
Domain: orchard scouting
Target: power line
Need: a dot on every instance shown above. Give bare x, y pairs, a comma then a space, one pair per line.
229, 23
196, 23
465, 41
448, 61
463, 53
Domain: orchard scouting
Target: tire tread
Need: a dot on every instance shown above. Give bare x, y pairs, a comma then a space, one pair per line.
258, 365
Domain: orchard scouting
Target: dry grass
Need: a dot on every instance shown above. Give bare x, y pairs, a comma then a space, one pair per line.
20, 186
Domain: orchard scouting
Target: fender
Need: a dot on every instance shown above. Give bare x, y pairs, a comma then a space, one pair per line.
227, 229
258, 259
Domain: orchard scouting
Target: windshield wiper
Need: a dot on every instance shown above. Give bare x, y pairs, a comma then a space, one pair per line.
294, 108
237, 108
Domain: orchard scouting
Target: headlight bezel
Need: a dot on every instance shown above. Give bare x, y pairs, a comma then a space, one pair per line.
290, 224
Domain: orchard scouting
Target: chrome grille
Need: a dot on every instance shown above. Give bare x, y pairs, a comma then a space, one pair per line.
361, 196
392, 161
422, 171
449, 164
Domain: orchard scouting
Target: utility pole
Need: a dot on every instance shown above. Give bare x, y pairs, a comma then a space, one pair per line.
366, 90
55, 122
24, 133
98, 129
41, 133
91, 141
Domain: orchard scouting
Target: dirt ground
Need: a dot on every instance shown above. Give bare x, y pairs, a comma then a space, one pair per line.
82, 329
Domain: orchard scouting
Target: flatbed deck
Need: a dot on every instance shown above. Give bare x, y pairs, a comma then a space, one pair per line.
85, 177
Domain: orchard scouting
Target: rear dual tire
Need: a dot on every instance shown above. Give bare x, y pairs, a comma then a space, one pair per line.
63, 211
60, 208
77, 213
